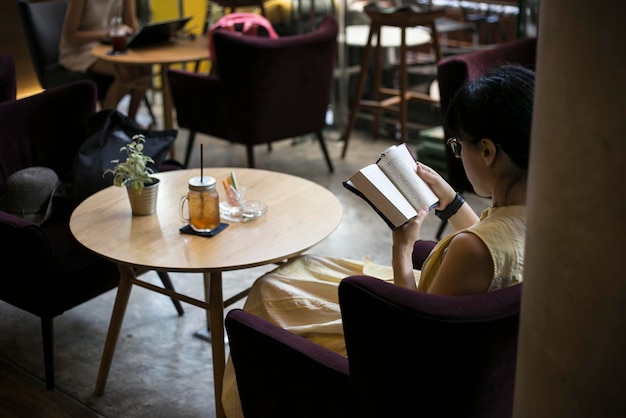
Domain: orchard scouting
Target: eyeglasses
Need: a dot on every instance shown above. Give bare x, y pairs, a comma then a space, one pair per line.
455, 146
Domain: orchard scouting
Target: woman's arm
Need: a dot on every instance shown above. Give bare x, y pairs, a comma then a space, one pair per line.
466, 268
402, 250
130, 15
71, 26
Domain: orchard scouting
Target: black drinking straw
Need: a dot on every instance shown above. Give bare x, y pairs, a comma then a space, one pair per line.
201, 162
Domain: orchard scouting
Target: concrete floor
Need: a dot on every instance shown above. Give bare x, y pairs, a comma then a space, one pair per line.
160, 369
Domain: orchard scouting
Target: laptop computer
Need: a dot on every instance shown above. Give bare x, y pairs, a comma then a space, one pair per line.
157, 32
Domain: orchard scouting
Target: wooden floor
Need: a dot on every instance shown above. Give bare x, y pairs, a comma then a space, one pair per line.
22, 395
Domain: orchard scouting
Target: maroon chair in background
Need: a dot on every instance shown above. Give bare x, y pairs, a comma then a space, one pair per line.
263, 90
45, 271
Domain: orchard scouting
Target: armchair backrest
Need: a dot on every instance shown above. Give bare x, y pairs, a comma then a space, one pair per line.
46, 129
43, 24
413, 354
8, 82
453, 71
279, 87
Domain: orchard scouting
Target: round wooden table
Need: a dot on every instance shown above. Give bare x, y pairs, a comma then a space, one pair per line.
300, 215
164, 55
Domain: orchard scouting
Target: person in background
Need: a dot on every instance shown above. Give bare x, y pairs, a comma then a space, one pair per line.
86, 24
490, 118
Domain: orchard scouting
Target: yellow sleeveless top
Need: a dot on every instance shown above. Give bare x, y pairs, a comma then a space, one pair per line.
503, 230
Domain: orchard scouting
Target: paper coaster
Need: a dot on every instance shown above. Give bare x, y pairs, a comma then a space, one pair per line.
187, 229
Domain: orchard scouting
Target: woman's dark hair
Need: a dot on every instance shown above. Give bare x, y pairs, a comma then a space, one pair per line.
498, 106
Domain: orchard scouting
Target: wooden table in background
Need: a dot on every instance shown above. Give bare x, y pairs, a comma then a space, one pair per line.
176, 52
300, 215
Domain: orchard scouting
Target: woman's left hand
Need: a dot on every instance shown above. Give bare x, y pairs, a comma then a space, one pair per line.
407, 234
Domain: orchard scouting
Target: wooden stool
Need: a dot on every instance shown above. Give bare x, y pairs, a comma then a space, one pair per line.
402, 18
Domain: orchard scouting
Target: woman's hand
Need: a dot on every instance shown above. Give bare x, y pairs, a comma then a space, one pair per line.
465, 216
440, 187
404, 238
407, 234
128, 30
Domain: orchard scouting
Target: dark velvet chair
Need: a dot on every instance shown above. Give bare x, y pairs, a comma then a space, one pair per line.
413, 354
8, 82
42, 23
282, 375
263, 90
453, 71
45, 271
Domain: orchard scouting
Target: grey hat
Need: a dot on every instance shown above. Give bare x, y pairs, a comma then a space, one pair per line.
28, 193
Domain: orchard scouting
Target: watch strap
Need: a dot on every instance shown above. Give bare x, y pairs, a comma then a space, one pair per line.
452, 208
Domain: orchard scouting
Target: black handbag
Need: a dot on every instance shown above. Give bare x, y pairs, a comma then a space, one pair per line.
107, 132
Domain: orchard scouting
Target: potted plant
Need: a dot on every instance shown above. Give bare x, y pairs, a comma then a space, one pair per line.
134, 174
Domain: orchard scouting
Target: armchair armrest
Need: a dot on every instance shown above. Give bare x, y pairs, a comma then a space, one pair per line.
421, 250
271, 362
24, 253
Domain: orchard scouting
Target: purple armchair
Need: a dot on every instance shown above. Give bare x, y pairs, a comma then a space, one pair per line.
282, 375
262, 89
453, 71
460, 356
45, 271
413, 354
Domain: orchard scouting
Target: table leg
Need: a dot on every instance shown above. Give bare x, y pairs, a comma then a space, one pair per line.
117, 317
168, 119
215, 319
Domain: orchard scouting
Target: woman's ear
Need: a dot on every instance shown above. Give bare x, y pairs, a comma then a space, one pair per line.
488, 150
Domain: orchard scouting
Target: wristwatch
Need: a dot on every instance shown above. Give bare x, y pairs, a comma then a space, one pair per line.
452, 208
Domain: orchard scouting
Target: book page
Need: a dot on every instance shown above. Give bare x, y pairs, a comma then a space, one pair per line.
381, 192
398, 164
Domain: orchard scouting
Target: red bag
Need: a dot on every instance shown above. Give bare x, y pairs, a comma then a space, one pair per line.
243, 23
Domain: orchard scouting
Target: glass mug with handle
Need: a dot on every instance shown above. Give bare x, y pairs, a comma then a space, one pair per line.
203, 202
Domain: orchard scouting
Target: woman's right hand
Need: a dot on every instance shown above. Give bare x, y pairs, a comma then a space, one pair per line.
440, 187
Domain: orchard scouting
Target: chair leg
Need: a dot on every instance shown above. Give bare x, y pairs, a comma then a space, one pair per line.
190, 141
442, 227
167, 283
320, 138
250, 154
149, 106
47, 334
359, 90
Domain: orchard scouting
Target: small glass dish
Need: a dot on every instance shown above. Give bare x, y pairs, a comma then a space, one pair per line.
247, 211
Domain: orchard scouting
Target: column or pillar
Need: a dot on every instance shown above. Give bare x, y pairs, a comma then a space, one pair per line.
571, 358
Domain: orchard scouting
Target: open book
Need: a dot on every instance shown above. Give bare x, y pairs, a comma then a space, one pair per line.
392, 187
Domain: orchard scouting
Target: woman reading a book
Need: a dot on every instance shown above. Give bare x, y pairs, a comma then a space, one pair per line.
491, 120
